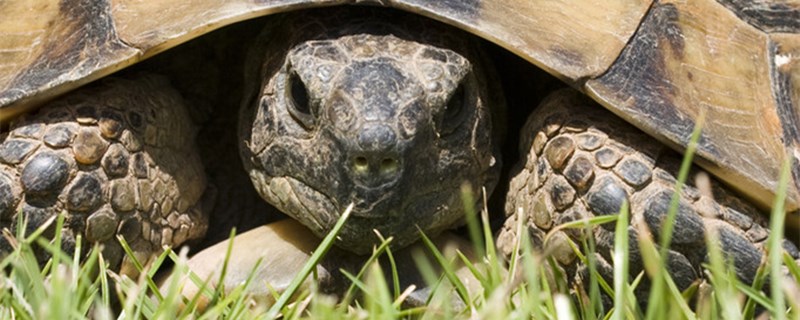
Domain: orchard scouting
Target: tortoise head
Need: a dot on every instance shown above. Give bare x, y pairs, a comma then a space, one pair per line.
394, 126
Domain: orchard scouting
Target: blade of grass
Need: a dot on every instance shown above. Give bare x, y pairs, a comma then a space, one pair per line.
595, 306
203, 291
755, 296
494, 266
677, 297
667, 225
240, 299
172, 298
382, 247
722, 278
549, 303
380, 304
582, 223
392, 264
427, 271
399, 299
478, 274
322, 249
532, 265
775, 250
468, 200
219, 290
140, 268
621, 259
105, 293
758, 283
522, 237
794, 269
447, 268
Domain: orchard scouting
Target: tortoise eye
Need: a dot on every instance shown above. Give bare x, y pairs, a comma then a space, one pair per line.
299, 101
455, 104
299, 94
452, 115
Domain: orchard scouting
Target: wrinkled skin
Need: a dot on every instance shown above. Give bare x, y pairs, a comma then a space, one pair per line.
393, 124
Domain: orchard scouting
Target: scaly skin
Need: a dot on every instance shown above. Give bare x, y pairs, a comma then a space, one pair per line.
117, 157
390, 113
582, 161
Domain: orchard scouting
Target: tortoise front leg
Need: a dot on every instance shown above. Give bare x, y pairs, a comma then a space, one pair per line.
581, 161
117, 157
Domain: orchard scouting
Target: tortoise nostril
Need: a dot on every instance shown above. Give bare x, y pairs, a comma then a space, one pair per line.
389, 165
361, 164
373, 170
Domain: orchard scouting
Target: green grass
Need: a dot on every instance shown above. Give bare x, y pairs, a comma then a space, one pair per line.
66, 287
528, 287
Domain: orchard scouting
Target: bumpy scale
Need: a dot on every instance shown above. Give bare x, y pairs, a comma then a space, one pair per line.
118, 158
582, 161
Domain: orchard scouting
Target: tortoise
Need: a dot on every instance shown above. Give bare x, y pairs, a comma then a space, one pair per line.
393, 112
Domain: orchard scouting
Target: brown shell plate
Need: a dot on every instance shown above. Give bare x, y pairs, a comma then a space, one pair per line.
660, 65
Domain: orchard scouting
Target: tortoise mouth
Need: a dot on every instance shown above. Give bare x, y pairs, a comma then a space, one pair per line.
375, 202
396, 214
374, 211
428, 212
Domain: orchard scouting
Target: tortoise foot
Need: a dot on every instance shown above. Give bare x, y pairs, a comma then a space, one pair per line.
581, 161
